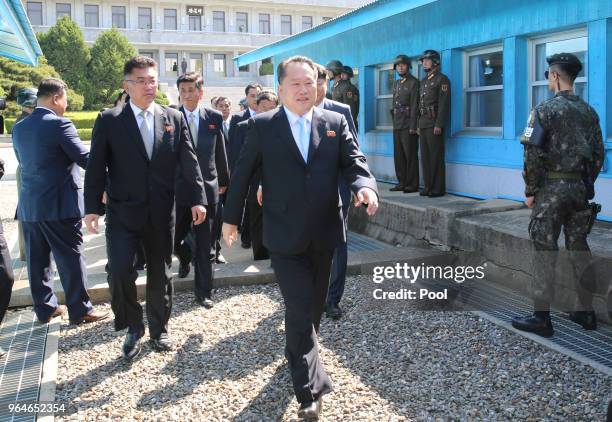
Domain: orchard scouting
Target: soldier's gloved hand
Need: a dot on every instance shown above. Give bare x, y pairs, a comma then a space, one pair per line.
437, 130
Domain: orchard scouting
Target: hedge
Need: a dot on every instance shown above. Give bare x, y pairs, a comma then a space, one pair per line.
85, 134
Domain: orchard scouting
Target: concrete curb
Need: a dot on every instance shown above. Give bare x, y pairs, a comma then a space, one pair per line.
49, 369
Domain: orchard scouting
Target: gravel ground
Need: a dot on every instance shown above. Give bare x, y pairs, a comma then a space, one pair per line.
386, 365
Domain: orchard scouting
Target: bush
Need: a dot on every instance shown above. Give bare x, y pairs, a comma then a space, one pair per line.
8, 124
75, 101
85, 134
162, 99
266, 69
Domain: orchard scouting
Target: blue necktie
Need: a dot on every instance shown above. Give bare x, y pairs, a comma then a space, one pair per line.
304, 142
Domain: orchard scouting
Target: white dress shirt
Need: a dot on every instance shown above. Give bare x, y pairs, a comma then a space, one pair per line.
252, 112
294, 123
150, 119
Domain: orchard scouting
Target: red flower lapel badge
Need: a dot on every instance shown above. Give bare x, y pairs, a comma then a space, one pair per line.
331, 133
212, 127
168, 128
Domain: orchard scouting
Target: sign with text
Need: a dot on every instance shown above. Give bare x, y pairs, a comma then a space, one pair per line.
195, 10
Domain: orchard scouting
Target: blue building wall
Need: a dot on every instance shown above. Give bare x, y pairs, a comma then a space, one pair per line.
478, 165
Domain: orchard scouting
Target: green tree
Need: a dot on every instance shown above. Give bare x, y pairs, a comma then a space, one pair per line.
65, 49
105, 71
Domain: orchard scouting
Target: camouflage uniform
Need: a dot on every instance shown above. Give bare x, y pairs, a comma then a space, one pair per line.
405, 144
553, 173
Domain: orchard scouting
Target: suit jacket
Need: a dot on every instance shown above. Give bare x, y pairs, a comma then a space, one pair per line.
233, 145
140, 190
301, 204
212, 158
240, 137
50, 153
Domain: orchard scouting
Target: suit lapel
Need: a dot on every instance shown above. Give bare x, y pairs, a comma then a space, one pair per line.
284, 131
160, 126
129, 121
316, 133
202, 127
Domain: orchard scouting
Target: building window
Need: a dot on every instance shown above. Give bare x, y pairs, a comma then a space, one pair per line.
145, 18
171, 63
35, 12
245, 68
484, 88
170, 19
285, 24
306, 22
195, 63
219, 21
146, 54
326, 18
92, 16
195, 23
62, 9
264, 23
570, 42
118, 13
219, 64
385, 76
242, 22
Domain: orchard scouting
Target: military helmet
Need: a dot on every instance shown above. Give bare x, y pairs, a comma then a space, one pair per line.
402, 59
431, 54
335, 66
26, 97
567, 61
348, 70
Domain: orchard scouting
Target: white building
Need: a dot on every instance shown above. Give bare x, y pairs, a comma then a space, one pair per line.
203, 36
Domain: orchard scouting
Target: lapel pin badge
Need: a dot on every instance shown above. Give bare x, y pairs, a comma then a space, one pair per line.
331, 133
212, 126
168, 128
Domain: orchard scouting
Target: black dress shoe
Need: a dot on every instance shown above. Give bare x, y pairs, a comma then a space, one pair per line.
246, 244
435, 195
184, 269
205, 302
410, 190
333, 312
587, 319
131, 344
397, 188
162, 343
310, 410
423, 193
534, 323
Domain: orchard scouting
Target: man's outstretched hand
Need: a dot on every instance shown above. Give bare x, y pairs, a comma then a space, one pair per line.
367, 197
230, 233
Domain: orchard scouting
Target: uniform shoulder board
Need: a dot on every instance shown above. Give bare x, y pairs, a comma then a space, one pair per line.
534, 134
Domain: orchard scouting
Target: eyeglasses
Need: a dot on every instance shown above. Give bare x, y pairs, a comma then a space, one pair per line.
142, 82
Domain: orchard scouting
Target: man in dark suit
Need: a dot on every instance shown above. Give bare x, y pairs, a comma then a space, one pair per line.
235, 145
50, 205
301, 151
136, 153
205, 128
266, 101
340, 260
6, 270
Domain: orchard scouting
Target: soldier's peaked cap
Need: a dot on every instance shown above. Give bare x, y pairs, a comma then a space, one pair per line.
567, 61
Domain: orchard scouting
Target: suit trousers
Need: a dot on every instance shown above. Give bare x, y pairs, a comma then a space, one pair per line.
256, 230
338, 268
121, 247
432, 160
199, 249
217, 227
6, 275
406, 158
63, 239
303, 280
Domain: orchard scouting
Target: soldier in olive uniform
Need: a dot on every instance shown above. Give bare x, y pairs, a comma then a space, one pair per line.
434, 106
334, 70
405, 115
26, 99
563, 156
351, 92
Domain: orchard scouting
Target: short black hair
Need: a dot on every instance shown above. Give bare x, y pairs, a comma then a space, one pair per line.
564, 72
281, 70
321, 72
222, 98
191, 77
267, 95
50, 87
138, 62
252, 86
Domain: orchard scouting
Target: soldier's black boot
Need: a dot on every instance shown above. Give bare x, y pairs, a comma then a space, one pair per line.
538, 323
587, 319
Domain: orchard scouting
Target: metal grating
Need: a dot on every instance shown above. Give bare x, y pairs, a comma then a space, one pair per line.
360, 243
24, 339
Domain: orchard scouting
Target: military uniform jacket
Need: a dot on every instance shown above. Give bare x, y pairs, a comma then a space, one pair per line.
405, 110
572, 140
347, 93
434, 100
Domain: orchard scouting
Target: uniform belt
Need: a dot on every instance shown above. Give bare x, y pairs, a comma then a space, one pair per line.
564, 175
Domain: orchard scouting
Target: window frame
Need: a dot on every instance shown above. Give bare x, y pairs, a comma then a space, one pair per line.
97, 6
239, 22
125, 19
168, 73
150, 16
377, 96
466, 89
268, 22
198, 20
290, 24
42, 13
169, 9
224, 72
57, 13
217, 19
311, 23
548, 38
